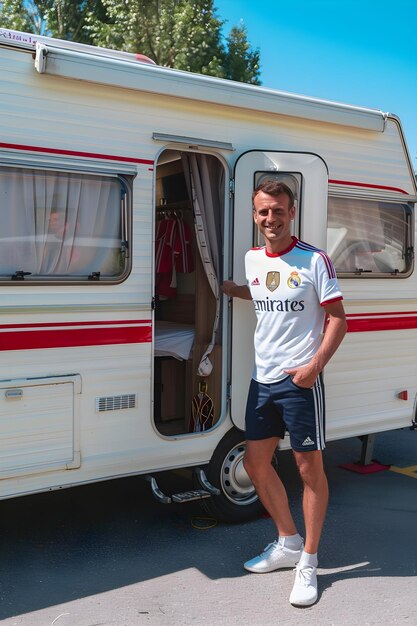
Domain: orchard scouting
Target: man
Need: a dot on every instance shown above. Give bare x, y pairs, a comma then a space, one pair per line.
61, 252
294, 289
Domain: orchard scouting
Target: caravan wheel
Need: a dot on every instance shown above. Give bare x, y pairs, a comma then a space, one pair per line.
238, 500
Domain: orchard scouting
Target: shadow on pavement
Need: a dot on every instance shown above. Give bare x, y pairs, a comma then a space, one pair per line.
65, 545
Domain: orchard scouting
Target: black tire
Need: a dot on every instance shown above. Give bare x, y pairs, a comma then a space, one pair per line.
238, 500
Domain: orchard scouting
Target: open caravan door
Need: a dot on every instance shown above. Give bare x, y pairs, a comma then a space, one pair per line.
306, 174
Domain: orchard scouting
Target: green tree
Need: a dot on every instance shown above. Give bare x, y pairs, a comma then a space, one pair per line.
64, 19
184, 34
242, 63
16, 14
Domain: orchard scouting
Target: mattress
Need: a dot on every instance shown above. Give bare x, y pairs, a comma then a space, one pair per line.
173, 339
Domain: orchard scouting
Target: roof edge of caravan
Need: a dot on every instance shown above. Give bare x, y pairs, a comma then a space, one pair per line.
122, 69
27, 41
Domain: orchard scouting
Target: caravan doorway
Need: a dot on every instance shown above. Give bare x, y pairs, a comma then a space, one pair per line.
189, 235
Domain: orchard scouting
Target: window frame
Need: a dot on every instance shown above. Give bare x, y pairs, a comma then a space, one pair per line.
73, 166
409, 209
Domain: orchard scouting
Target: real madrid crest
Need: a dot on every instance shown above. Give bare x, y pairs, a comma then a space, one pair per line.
272, 280
294, 280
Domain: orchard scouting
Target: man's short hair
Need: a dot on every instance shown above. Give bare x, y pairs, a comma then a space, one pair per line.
274, 188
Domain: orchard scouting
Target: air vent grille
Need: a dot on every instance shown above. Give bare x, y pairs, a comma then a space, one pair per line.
116, 403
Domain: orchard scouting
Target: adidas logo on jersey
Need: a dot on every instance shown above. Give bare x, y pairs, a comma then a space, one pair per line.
255, 282
308, 442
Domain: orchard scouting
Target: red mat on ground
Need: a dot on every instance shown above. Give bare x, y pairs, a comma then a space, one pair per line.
370, 468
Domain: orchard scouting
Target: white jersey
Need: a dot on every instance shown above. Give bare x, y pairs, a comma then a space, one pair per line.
289, 291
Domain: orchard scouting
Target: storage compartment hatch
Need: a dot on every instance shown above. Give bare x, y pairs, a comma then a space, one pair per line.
38, 425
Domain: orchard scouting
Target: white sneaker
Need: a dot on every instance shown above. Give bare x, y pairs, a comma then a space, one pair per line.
275, 556
304, 591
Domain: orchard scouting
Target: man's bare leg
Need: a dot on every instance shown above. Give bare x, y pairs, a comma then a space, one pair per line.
287, 549
315, 496
315, 499
267, 483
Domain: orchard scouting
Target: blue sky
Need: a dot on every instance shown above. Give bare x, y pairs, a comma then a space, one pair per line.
359, 52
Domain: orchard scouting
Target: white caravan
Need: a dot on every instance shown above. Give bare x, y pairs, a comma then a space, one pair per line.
125, 199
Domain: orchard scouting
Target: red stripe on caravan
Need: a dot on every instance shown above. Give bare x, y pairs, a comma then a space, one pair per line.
380, 322
68, 324
90, 155
71, 338
384, 314
367, 185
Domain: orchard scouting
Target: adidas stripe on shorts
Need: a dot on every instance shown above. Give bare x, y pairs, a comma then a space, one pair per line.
272, 409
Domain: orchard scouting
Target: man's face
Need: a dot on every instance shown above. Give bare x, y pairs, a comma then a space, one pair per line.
273, 216
56, 224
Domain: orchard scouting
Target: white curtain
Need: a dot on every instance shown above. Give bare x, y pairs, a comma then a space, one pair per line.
58, 223
204, 175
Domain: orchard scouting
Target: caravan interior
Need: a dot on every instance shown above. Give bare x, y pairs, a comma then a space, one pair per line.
189, 234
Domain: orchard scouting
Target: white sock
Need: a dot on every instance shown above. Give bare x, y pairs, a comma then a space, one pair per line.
308, 559
292, 542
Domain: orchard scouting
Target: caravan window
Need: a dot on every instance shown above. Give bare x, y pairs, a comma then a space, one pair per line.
62, 226
369, 237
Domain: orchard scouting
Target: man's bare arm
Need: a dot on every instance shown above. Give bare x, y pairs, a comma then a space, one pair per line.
231, 289
305, 376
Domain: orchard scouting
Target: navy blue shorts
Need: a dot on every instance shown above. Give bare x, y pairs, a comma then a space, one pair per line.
275, 408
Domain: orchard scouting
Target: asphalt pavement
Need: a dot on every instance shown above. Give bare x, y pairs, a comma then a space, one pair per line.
109, 554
